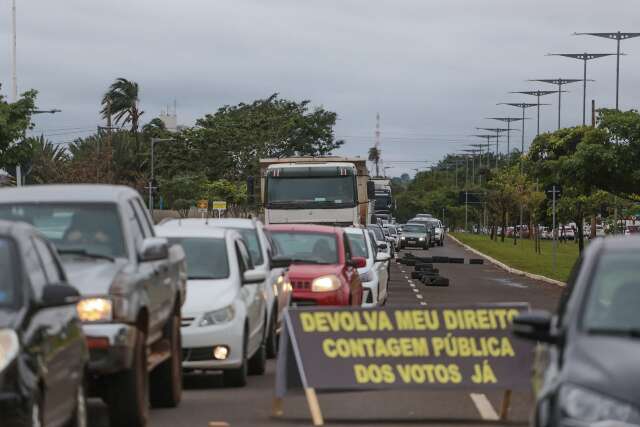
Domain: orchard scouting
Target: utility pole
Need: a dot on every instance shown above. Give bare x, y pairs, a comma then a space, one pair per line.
584, 57
152, 179
14, 74
558, 82
523, 106
618, 36
508, 121
537, 93
498, 131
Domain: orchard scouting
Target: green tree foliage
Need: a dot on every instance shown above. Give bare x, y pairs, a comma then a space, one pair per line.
121, 102
374, 157
15, 120
49, 162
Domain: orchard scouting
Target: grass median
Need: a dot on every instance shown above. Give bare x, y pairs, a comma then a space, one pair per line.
523, 257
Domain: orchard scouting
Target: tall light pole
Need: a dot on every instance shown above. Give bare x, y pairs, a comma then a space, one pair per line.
508, 121
618, 36
524, 106
498, 131
14, 59
537, 93
558, 82
584, 57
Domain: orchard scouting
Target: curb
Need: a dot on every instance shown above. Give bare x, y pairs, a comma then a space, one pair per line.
506, 267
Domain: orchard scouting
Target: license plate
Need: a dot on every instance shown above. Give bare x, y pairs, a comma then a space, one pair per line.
411, 243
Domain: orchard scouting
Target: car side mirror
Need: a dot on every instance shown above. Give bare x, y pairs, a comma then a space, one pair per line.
382, 257
250, 277
358, 262
280, 262
382, 246
154, 249
535, 326
58, 295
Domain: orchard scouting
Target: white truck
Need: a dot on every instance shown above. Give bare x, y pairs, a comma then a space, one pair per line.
316, 190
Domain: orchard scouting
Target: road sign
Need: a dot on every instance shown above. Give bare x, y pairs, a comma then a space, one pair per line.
442, 347
203, 205
219, 205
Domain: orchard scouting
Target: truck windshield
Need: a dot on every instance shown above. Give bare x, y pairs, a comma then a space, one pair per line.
92, 229
316, 190
8, 279
206, 257
383, 201
315, 248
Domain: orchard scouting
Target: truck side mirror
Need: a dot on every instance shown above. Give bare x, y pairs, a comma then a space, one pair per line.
371, 190
154, 249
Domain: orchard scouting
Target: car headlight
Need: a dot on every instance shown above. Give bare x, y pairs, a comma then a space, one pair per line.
590, 407
95, 310
402, 237
325, 284
9, 347
218, 317
421, 239
367, 276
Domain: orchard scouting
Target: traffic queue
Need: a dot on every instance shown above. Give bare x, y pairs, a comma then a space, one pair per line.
97, 301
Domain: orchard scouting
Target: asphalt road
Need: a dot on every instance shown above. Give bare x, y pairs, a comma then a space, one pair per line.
205, 400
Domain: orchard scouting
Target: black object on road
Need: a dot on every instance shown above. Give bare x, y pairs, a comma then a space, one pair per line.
456, 260
441, 259
476, 261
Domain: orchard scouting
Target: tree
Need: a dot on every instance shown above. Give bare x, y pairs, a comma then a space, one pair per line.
121, 102
15, 120
49, 162
374, 156
503, 195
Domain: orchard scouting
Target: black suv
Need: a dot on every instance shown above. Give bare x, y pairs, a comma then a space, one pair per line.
43, 353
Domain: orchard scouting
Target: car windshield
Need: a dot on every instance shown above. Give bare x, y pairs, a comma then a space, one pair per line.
358, 245
414, 228
317, 248
206, 257
90, 228
378, 233
9, 278
614, 296
250, 237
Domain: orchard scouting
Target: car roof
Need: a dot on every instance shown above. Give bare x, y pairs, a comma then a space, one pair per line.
217, 222
617, 243
190, 229
66, 193
16, 229
353, 230
309, 228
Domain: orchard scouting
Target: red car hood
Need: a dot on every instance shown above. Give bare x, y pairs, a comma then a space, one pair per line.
305, 272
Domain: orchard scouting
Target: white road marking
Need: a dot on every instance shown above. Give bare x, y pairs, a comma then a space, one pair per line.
415, 290
484, 407
419, 296
406, 277
413, 285
423, 303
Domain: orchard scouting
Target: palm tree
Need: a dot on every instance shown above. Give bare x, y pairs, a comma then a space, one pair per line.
374, 156
121, 102
48, 161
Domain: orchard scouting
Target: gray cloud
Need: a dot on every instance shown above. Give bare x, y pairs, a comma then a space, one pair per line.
433, 68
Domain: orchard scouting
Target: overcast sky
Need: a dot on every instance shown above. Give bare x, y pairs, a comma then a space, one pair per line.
433, 69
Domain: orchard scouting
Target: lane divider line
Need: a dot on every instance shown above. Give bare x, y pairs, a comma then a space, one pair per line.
484, 407
419, 296
423, 303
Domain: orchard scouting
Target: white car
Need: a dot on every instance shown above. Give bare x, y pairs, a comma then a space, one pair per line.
277, 292
374, 276
224, 316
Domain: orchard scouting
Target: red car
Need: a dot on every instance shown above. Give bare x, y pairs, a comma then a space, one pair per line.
322, 272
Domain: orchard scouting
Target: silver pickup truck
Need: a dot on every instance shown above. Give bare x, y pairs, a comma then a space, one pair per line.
132, 285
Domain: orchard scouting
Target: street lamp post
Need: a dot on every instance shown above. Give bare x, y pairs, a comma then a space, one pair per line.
618, 36
558, 82
538, 94
498, 131
508, 121
523, 106
584, 57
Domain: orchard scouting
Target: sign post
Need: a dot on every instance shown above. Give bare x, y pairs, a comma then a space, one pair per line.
219, 206
555, 191
203, 207
443, 347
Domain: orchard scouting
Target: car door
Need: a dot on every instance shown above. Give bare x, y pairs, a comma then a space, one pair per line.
67, 359
254, 299
380, 268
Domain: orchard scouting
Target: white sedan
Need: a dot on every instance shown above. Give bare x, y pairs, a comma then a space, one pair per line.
375, 275
224, 315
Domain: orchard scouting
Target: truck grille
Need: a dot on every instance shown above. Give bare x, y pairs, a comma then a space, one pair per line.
187, 321
301, 284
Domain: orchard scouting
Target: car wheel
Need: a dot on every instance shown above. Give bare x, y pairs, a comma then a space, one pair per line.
79, 418
129, 390
165, 382
272, 338
237, 377
258, 362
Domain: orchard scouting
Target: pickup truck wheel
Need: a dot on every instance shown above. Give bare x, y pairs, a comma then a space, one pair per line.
237, 377
272, 338
166, 379
129, 390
